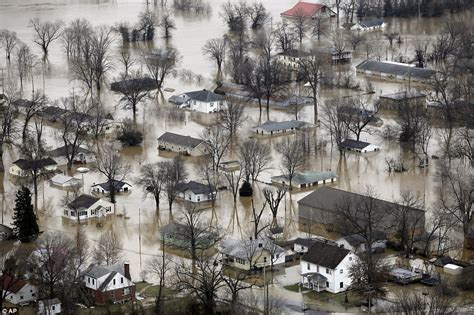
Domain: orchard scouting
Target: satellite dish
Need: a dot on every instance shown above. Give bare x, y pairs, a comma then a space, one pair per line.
82, 169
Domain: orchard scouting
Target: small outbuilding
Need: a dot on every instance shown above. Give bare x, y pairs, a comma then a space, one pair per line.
358, 244
305, 179
119, 186
398, 99
64, 181
196, 192
51, 306
358, 146
365, 25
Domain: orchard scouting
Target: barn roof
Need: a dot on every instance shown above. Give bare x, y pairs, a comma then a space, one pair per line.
304, 9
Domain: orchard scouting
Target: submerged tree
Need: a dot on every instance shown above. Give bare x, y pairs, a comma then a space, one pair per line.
255, 158
161, 63
274, 198
215, 49
108, 250
9, 40
167, 24
46, 32
152, 179
175, 173
111, 165
292, 158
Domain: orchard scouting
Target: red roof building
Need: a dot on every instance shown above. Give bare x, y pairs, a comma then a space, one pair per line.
307, 10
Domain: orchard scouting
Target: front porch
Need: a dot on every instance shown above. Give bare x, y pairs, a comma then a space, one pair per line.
314, 281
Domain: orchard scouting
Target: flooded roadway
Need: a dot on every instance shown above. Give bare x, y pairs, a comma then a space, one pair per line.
355, 172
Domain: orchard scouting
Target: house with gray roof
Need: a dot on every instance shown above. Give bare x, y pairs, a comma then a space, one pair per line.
105, 188
203, 101
358, 146
326, 267
82, 155
181, 144
322, 209
179, 235
251, 254
331, 55
399, 99
23, 167
105, 284
86, 206
305, 179
358, 244
196, 192
276, 127
394, 70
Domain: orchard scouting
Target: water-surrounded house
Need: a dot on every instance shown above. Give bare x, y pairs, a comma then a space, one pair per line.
104, 284
86, 207
356, 243
305, 179
394, 70
179, 235
196, 192
326, 267
308, 11
64, 181
331, 55
320, 209
105, 188
398, 99
358, 146
181, 144
203, 101
23, 168
82, 155
291, 58
18, 291
365, 25
277, 127
251, 254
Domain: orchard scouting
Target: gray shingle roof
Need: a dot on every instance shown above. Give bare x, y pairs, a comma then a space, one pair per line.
240, 249
357, 239
307, 177
350, 143
185, 141
270, 125
204, 96
117, 184
395, 69
62, 151
403, 95
371, 23
27, 164
195, 187
325, 255
83, 201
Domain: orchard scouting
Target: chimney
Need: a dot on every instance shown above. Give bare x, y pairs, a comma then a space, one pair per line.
126, 270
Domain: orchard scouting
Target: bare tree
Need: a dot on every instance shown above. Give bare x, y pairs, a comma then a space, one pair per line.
292, 158
319, 27
355, 39
339, 43
127, 61
26, 62
134, 91
284, 36
457, 195
274, 77
238, 46
235, 15
391, 37
421, 52
33, 108
46, 32
357, 114
175, 173
167, 24
147, 21
75, 36
74, 124
255, 83
152, 179
210, 175
415, 303
10, 278
160, 267
236, 283
8, 126
415, 125
258, 225
82, 246
233, 180
215, 49
9, 41
161, 63
310, 71
463, 144
333, 122
258, 15
217, 141
299, 24
255, 158
108, 250
274, 198
111, 165
232, 117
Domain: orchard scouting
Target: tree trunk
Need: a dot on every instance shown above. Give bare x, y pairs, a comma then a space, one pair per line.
157, 202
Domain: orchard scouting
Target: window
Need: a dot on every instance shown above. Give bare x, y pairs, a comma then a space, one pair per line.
114, 281
350, 258
93, 281
308, 267
317, 268
126, 291
33, 294
66, 213
327, 284
264, 259
240, 261
88, 280
53, 307
21, 297
302, 247
121, 279
341, 271
341, 285
328, 271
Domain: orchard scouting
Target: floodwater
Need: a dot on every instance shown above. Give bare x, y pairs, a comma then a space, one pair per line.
137, 221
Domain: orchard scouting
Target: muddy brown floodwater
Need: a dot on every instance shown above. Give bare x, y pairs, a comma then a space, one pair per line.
135, 212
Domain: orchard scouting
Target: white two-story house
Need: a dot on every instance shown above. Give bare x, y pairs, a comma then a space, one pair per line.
86, 207
203, 101
325, 267
18, 291
109, 283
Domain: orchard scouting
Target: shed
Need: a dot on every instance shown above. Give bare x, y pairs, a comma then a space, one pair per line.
398, 99
452, 269
275, 127
51, 306
358, 146
306, 179
65, 181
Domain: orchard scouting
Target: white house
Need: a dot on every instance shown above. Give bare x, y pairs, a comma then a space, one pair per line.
64, 181
196, 192
181, 144
366, 25
47, 307
305, 179
291, 58
358, 244
251, 254
86, 207
358, 146
302, 245
203, 101
276, 127
325, 267
108, 283
82, 155
22, 167
105, 188
18, 291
